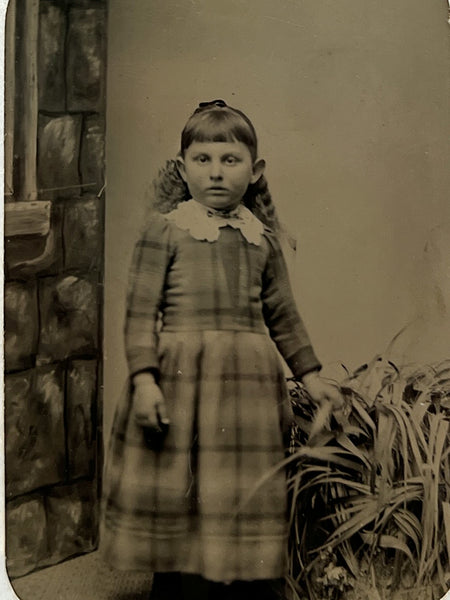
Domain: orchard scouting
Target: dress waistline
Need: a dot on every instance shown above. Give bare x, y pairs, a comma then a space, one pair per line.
174, 325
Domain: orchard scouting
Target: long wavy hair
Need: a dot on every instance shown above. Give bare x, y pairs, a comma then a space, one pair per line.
214, 122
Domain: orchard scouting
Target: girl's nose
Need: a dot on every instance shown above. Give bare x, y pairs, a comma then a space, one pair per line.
215, 171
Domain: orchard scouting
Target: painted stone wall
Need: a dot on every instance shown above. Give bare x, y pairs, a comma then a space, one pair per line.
53, 303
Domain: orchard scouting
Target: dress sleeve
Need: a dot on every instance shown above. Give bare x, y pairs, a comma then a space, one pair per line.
281, 315
151, 260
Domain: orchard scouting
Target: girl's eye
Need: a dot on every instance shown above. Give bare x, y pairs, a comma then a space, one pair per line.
202, 159
231, 160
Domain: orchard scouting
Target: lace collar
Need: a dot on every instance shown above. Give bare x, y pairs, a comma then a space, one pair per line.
204, 223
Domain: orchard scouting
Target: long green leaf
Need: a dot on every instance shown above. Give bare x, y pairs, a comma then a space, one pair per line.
434, 425
354, 524
337, 491
441, 438
400, 418
357, 405
427, 523
325, 454
354, 430
411, 429
384, 442
345, 482
409, 529
389, 541
294, 498
344, 441
446, 515
411, 519
306, 471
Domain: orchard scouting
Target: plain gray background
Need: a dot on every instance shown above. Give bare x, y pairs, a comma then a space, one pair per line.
350, 102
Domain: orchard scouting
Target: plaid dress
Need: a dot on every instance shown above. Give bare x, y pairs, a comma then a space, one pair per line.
195, 505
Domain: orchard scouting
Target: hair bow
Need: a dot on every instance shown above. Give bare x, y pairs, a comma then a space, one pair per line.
220, 103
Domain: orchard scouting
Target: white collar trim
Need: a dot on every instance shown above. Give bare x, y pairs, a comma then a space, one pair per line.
203, 223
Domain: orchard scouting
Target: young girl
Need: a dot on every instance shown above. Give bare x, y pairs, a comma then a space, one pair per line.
207, 409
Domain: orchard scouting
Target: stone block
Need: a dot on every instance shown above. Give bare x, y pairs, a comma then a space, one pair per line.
27, 218
34, 425
51, 60
20, 251
72, 520
86, 59
26, 539
58, 155
92, 159
29, 255
69, 318
81, 417
83, 233
21, 324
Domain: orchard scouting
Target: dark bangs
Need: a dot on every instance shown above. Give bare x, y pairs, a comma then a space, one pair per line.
220, 125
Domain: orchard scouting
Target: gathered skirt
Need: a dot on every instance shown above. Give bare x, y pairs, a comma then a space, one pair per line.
202, 503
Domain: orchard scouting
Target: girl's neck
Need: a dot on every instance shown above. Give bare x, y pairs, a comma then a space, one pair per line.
218, 211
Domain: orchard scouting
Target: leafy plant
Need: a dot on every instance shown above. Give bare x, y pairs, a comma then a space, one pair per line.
370, 487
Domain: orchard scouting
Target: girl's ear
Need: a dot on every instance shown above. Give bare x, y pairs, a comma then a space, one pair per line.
181, 168
258, 169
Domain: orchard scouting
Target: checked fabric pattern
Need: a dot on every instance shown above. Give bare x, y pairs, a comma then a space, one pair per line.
198, 505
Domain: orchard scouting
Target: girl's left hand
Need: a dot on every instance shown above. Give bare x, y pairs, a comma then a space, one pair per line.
322, 391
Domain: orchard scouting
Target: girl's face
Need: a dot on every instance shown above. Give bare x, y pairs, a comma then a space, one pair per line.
219, 173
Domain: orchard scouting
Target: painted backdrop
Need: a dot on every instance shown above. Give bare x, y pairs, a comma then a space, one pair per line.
53, 295
350, 100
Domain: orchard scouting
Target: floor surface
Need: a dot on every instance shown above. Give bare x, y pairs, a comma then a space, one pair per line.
83, 578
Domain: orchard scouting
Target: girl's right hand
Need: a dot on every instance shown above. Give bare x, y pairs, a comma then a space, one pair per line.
149, 406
